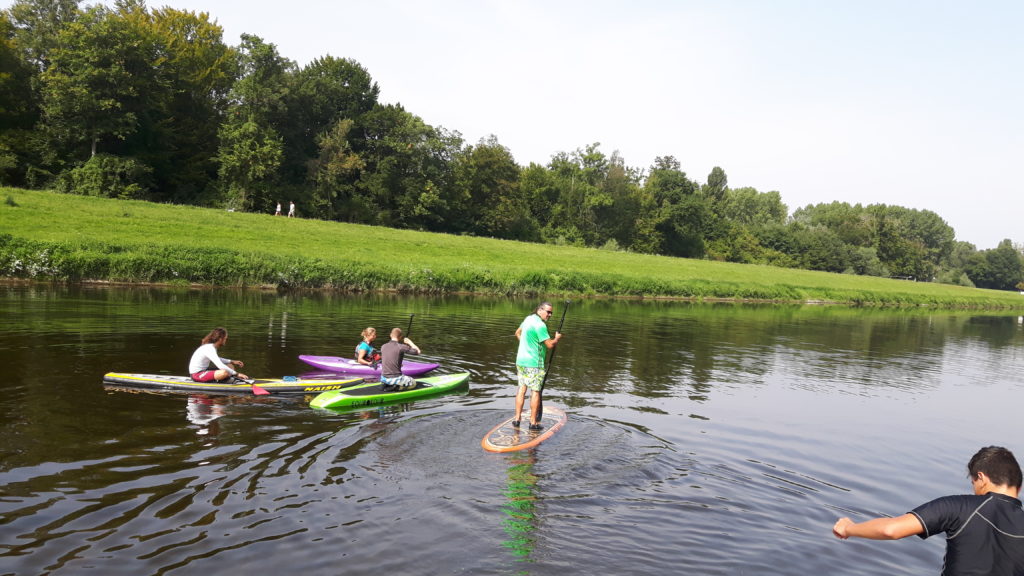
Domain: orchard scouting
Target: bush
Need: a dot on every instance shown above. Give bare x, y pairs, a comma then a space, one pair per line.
107, 176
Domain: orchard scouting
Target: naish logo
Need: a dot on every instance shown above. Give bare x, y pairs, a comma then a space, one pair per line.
321, 388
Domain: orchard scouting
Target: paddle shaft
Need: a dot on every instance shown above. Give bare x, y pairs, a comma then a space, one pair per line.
409, 329
551, 358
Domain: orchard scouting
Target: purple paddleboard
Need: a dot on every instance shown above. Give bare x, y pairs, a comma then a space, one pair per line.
350, 366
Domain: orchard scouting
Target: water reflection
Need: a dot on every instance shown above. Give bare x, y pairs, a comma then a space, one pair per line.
204, 411
521, 507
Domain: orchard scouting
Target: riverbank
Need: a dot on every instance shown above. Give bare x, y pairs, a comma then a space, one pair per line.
46, 236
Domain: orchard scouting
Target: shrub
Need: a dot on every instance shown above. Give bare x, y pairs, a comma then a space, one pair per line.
107, 176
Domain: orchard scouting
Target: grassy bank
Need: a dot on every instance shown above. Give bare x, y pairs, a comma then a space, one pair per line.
47, 236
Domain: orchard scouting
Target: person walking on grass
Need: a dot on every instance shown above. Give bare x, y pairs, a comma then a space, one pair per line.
291, 209
984, 531
392, 354
534, 343
207, 353
278, 213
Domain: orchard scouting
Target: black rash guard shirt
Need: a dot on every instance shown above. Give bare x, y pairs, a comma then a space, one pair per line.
984, 534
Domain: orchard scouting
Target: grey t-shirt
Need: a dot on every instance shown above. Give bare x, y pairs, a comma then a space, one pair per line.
391, 356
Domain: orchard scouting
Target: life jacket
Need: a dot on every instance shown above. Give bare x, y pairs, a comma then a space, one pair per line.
373, 356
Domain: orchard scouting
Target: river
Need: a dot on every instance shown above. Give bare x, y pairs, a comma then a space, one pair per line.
702, 438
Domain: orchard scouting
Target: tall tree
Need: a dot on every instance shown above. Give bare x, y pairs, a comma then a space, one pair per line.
249, 156
487, 198
336, 170
580, 177
251, 147
717, 185
18, 108
97, 76
675, 218
748, 207
196, 69
320, 95
407, 182
1000, 268
38, 24
617, 220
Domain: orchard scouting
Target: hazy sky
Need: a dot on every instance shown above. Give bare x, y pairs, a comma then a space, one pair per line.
914, 103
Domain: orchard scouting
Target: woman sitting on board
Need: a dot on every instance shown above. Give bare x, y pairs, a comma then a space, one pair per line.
199, 366
365, 354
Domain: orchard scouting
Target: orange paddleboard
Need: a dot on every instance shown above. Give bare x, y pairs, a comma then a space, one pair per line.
507, 438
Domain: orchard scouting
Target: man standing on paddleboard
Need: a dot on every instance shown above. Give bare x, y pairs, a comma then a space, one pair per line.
984, 531
534, 342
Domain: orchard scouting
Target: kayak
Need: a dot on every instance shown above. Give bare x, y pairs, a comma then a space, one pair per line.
286, 385
371, 394
350, 366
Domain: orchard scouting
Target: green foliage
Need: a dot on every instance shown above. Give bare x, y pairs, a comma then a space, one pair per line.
37, 26
261, 250
750, 208
249, 156
107, 176
93, 85
1000, 268
120, 100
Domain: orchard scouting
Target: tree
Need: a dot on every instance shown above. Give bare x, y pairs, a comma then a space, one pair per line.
750, 208
580, 179
335, 170
18, 107
96, 77
249, 156
675, 218
854, 224
489, 199
407, 182
38, 24
177, 134
617, 221
717, 186
251, 147
318, 97
999, 269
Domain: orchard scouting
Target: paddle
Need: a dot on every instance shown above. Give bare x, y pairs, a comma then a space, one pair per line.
256, 390
409, 329
551, 358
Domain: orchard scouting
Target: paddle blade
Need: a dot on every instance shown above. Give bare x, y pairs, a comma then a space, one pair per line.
259, 391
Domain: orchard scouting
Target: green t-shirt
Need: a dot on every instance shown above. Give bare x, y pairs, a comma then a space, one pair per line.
532, 350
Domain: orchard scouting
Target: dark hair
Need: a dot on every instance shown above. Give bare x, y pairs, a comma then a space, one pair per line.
543, 304
215, 335
998, 464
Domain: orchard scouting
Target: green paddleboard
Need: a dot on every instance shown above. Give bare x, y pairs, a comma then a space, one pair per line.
372, 394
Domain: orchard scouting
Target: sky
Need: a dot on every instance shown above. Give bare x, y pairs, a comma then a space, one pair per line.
903, 102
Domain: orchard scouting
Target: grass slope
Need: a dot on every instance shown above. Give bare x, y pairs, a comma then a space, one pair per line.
50, 236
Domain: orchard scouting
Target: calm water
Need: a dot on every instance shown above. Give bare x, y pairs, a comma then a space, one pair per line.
703, 439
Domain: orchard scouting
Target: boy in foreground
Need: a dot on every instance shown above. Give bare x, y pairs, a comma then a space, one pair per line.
984, 531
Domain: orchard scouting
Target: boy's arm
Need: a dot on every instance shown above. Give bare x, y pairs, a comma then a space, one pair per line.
879, 528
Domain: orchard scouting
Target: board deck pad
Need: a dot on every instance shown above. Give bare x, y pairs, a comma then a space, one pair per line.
507, 438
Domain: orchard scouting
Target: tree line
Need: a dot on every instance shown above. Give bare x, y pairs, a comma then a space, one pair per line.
132, 102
